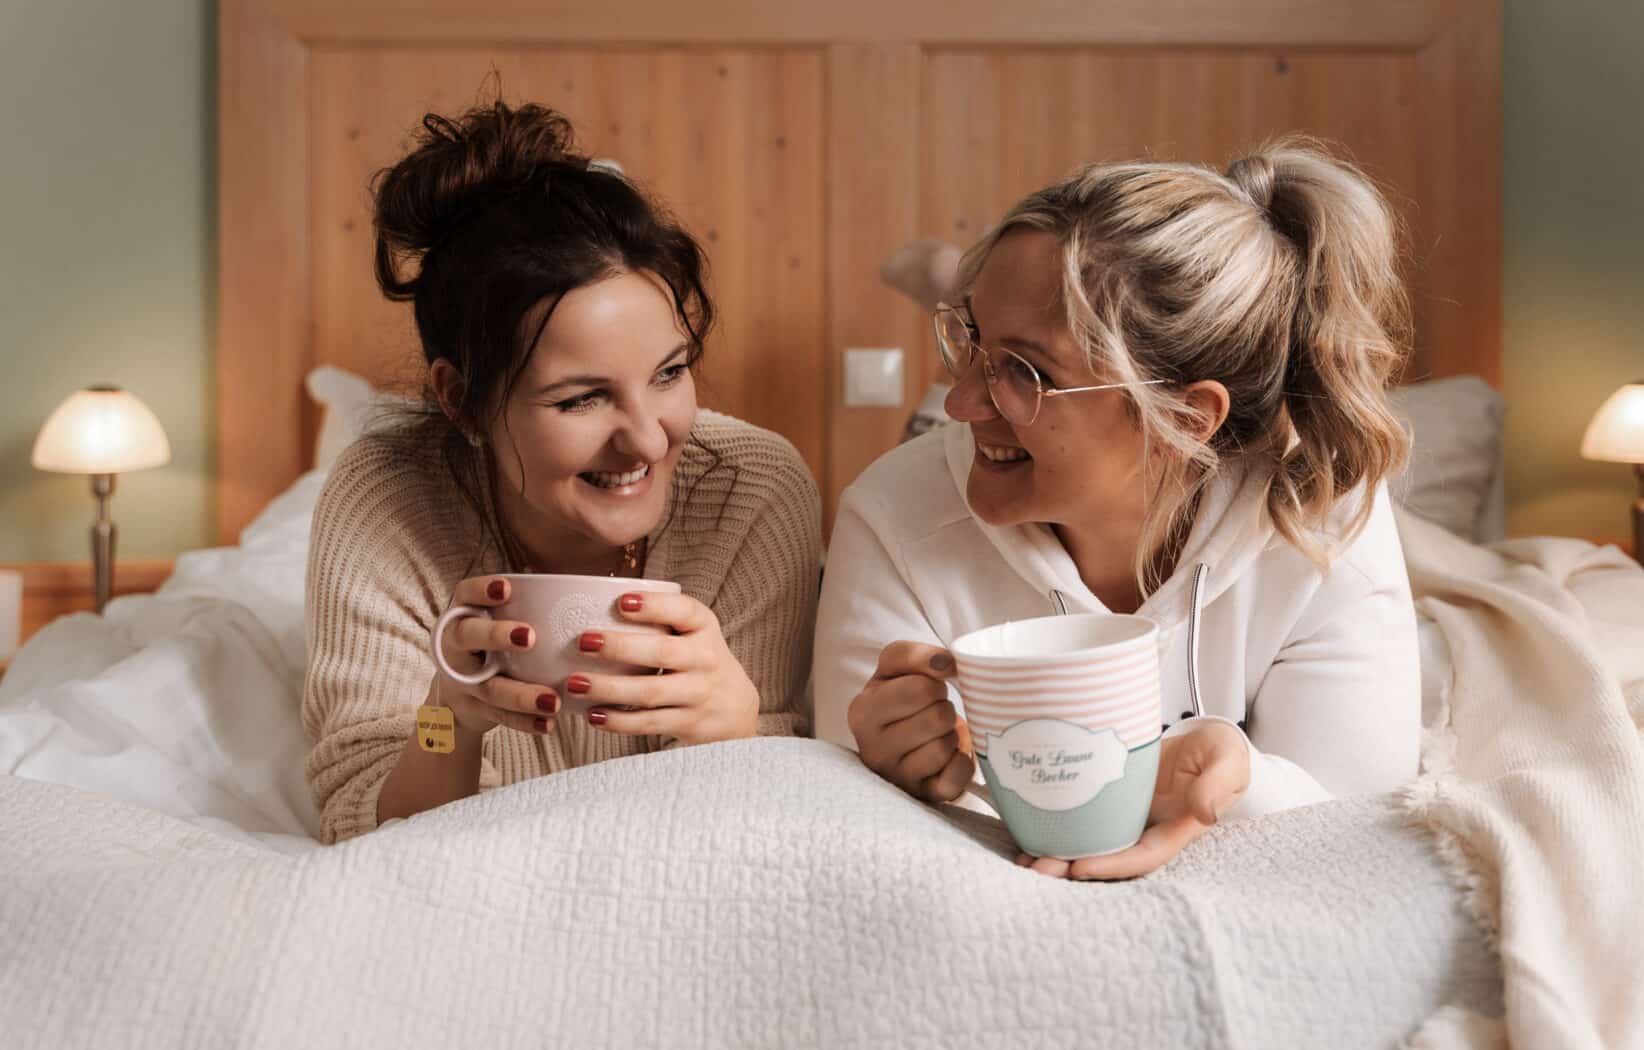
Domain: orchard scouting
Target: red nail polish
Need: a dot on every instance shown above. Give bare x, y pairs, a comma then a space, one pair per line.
496, 590
631, 603
596, 717
548, 702
591, 642
540, 725
520, 636
578, 683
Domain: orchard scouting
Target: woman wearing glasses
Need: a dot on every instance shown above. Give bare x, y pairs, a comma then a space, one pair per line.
1170, 390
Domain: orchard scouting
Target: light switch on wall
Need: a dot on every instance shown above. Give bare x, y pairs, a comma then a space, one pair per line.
873, 376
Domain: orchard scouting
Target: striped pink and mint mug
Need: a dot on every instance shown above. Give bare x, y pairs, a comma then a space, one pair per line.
1065, 714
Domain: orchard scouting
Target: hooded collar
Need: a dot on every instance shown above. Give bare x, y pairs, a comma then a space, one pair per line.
1228, 533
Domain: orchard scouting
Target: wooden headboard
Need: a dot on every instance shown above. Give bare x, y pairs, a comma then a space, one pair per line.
801, 144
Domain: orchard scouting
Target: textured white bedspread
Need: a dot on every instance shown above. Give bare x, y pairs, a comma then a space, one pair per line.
760, 893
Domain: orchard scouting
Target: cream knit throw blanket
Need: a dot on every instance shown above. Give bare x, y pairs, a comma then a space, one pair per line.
1533, 779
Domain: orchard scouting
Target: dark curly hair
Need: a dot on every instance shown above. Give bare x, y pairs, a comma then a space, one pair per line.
491, 214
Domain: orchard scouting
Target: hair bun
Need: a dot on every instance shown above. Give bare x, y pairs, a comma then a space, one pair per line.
1255, 176
456, 168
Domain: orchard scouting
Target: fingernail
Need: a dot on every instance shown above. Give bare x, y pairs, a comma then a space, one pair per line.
596, 717
520, 636
548, 702
631, 603
540, 725
578, 683
496, 590
591, 642
941, 662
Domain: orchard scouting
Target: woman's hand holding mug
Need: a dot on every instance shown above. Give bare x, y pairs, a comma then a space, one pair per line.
1201, 773
464, 642
907, 729
700, 693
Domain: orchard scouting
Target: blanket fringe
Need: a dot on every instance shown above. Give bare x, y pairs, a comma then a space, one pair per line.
1426, 805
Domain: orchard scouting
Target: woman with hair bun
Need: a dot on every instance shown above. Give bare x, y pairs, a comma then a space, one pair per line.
1224, 342
561, 315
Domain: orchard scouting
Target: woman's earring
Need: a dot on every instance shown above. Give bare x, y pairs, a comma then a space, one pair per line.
474, 439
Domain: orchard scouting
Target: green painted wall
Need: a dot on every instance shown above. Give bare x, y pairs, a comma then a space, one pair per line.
106, 270
1573, 207
107, 257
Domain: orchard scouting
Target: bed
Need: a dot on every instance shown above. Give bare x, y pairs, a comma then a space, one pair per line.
159, 853
160, 850
164, 884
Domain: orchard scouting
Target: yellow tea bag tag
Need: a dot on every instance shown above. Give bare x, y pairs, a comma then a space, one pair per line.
436, 729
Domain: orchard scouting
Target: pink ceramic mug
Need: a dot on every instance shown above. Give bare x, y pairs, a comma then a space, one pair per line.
1065, 716
559, 608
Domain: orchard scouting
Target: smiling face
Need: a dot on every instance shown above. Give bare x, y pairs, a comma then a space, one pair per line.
586, 446
1079, 463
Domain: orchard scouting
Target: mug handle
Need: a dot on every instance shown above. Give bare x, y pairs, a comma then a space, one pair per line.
487, 671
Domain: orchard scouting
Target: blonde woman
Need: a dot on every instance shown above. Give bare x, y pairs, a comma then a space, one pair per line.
1170, 395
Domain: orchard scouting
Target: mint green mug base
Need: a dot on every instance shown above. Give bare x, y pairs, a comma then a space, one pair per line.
1112, 821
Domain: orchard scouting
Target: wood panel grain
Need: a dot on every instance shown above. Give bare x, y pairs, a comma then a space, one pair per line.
874, 187
1403, 23
262, 269
1011, 120
1458, 229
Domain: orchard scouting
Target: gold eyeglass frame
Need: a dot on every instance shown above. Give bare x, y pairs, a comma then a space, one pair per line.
991, 376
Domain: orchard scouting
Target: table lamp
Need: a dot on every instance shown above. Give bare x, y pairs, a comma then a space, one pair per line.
101, 431
1616, 435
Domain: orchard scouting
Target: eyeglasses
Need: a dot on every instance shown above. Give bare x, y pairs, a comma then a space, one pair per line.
1016, 387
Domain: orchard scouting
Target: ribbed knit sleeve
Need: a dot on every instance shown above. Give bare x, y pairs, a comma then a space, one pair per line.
766, 603
382, 559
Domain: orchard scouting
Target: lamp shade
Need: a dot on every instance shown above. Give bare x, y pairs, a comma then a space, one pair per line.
1616, 433
101, 430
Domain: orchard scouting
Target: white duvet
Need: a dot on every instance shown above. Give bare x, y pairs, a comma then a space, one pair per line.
186, 702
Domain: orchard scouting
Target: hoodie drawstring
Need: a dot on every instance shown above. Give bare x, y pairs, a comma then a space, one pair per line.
1200, 573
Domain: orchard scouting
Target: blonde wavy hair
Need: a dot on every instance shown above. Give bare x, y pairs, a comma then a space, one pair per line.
1279, 279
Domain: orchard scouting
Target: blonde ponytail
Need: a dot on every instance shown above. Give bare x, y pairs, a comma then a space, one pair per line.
1348, 338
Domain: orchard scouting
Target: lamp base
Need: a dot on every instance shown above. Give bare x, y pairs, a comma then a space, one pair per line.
102, 540
1638, 515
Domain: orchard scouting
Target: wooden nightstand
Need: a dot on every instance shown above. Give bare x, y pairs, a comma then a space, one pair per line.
53, 589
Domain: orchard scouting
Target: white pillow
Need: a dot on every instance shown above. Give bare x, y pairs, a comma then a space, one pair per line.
1455, 474
348, 405
345, 401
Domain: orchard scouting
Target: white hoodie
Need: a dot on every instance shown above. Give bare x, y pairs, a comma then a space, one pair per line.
1319, 667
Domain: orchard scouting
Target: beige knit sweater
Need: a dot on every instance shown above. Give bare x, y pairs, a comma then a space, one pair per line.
392, 536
